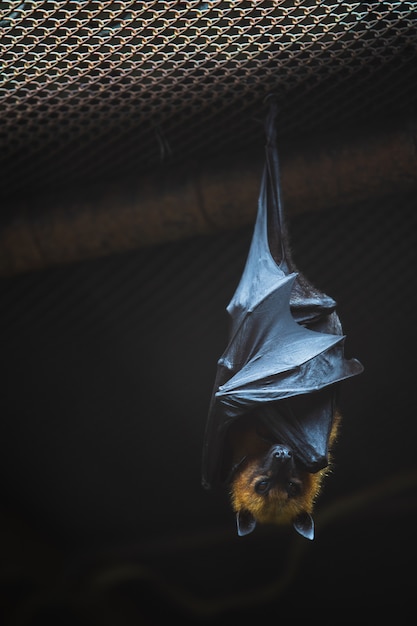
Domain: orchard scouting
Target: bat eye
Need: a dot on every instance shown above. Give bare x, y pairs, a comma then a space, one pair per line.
293, 489
262, 486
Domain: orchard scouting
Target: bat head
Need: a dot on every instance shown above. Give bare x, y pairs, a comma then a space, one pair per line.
268, 485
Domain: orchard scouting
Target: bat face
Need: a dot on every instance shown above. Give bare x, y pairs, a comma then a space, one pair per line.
268, 485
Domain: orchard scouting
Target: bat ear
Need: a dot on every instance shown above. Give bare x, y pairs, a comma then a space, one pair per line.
304, 525
245, 522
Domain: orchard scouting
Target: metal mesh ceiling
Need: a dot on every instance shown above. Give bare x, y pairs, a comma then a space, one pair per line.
93, 89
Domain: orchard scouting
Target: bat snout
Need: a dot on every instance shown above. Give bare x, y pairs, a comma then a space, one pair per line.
279, 455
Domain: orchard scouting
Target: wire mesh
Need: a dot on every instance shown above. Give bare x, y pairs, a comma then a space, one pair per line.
93, 89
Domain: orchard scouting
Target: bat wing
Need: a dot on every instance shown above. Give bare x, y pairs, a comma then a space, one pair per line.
286, 347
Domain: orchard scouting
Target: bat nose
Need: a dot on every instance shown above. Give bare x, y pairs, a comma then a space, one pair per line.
281, 453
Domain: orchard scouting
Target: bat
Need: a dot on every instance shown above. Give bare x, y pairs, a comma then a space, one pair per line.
273, 416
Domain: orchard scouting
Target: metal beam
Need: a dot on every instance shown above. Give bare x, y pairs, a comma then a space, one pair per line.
317, 174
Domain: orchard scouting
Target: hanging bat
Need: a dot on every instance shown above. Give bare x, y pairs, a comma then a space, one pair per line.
273, 416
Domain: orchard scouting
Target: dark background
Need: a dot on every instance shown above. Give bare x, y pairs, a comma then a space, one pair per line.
108, 370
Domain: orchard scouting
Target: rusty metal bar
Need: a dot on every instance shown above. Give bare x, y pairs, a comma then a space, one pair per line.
322, 173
